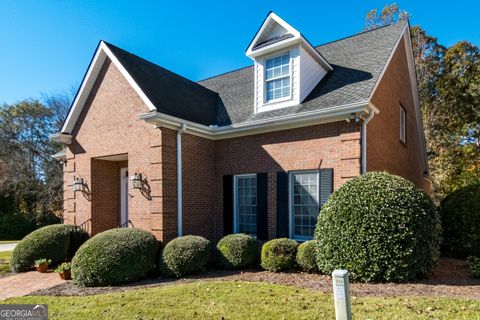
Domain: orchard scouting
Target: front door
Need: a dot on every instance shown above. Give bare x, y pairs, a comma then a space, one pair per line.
124, 197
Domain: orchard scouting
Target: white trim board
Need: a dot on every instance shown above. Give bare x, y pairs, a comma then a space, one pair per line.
93, 71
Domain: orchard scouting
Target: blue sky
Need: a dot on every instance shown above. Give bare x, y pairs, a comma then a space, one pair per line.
46, 45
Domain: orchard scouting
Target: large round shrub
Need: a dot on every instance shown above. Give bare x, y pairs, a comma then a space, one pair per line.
57, 242
306, 259
237, 251
184, 255
279, 254
115, 256
379, 227
460, 213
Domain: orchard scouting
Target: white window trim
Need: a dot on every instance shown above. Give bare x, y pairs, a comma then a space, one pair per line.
403, 125
236, 222
290, 73
290, 202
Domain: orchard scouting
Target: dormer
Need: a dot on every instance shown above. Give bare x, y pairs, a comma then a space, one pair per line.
287, 66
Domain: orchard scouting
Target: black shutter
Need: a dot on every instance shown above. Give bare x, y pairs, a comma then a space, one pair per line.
326, 185
262, 206
227, 205
282, 204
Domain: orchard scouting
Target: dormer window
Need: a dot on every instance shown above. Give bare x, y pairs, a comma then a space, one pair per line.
277, 78
287, 67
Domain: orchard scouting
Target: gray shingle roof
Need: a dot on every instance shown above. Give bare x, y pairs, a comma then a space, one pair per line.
228, 98
357, 61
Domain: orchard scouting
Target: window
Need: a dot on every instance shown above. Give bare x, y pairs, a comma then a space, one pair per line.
304, 203
277, 77
403, 125
245, 212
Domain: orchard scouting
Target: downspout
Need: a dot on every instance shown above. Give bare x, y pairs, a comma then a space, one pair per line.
180, 131
371, 113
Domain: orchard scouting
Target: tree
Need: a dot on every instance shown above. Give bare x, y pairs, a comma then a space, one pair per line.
449, 91
32, 177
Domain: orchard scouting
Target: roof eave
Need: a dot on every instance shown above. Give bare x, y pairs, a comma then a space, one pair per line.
304, 119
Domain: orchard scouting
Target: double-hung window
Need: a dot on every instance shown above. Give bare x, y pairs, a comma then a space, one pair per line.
245, 189
304, 203
277, 78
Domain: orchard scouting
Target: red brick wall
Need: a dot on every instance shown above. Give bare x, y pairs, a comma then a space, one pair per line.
385, 152
333, 145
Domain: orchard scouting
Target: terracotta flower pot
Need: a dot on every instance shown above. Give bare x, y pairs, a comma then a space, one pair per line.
66, 275
42, 268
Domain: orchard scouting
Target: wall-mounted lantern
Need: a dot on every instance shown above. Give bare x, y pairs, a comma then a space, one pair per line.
137, 180
78, 184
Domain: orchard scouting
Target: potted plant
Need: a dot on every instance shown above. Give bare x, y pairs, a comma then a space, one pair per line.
42, 265
64, 271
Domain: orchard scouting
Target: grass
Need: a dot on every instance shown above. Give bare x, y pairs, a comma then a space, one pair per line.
4, 261
8, 241
244, 300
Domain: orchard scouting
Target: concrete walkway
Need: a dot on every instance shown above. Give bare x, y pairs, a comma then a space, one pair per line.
7, 246
21, 284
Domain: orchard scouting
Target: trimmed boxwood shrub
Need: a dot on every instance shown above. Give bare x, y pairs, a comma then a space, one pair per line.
279, 254
306, 259
380, 227
115, 256
237, 251
460, 212
57, 242
184, 255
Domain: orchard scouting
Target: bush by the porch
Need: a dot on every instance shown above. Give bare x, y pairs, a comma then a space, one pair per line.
279, 254
184, 255
237, 251
306, 256
380, 227
461, 222
57, 242
115, 256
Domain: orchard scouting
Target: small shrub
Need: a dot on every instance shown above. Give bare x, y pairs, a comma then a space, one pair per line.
57, 242
115, 256
184, 255
279, 254
306, 256
379, 227
474, 266
237, 251
461, 222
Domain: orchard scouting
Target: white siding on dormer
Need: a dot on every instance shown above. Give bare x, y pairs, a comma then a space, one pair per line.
260, 99
310, 73
271, 31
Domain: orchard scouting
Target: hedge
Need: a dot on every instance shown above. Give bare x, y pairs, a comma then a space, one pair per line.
115, 256
279, 254
380, 227
460, 212
184, 255
57, 242
237, 251
306, 256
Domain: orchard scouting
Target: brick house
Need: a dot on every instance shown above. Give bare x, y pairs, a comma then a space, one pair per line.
256, 150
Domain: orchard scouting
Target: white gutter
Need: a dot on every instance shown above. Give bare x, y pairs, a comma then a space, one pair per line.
180, 131
371, 114
331, 114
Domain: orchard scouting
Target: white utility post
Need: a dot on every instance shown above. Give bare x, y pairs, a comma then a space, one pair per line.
341, 293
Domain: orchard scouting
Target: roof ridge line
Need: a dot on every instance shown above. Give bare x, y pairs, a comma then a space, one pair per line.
224, 73
360, 33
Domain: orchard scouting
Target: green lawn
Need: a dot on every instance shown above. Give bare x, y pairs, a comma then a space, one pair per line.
8, 241
244, 300
4, 261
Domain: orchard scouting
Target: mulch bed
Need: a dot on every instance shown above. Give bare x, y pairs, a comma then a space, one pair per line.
450, 279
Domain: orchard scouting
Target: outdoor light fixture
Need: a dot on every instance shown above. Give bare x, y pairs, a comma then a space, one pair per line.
78, 184
137, 180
